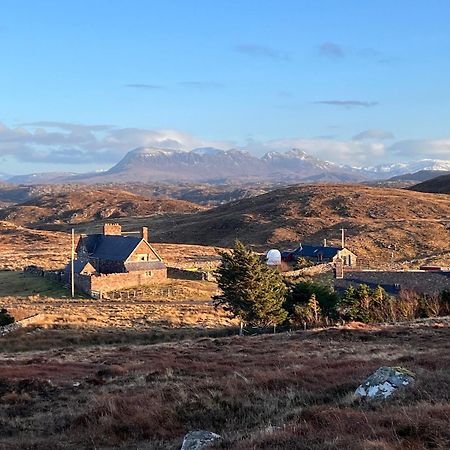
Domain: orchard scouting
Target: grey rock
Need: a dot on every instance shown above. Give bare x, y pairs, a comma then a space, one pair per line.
198, 440
384, 382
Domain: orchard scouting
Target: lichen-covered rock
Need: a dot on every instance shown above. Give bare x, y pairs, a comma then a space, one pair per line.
198, 440
384, 382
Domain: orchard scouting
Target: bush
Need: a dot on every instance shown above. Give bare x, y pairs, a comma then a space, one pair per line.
302, 263
310, 302
5, 318
375, 305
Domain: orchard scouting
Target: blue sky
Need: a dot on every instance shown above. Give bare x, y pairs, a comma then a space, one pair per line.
353, 82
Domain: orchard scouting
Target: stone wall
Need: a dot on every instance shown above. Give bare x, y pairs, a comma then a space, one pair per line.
309, 271
55, 275
184, 274
19, 324
116, 281
394, 281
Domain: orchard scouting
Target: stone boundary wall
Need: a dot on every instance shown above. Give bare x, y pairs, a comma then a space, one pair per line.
184, 274
19, 324
54, 275
309, 271
394, 281
96, 285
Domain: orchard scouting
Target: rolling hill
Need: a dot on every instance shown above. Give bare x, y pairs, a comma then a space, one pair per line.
383, 225
87, 204
438, 185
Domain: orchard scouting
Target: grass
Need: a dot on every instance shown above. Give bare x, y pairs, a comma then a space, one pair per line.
13, 283
289, 390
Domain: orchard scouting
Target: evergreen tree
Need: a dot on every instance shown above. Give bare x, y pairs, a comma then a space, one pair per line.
349, 304
251, 290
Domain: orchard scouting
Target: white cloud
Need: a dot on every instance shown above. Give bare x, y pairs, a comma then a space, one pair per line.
421, 148
66, 143
55, 143
339, 151
373, 133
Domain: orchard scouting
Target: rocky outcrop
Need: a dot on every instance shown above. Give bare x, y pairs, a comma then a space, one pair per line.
384, 382
198, 440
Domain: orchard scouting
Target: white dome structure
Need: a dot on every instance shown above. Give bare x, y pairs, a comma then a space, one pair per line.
273, 257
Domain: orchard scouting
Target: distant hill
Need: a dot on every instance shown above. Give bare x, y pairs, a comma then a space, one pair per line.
421, 175
40, 178
87, 204
381, 224
438, 185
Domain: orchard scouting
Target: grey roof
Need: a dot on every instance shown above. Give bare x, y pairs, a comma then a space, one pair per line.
144, 265
78, 266
312, 251
111, 247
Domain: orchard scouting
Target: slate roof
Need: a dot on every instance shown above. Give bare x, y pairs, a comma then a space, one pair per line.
110, 247
311, 251
78, 266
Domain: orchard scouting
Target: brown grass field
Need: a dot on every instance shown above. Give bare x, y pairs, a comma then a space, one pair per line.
290, 390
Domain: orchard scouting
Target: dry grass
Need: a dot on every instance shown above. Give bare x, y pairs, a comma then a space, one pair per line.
262, 392
86, 203
375, 219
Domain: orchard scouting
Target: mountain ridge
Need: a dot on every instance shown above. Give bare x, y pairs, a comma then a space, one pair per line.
213, 165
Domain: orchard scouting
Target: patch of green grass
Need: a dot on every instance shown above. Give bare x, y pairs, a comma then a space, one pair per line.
22, 285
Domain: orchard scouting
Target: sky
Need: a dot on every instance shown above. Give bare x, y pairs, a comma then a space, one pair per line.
353, 82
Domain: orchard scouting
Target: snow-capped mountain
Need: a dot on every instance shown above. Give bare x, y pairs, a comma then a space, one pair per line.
208, 164
212, 164
410, 167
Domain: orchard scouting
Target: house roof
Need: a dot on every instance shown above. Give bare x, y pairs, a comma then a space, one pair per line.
111, 247
78, 266
312, 251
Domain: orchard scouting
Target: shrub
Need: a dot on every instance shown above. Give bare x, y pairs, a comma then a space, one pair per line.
309, 302
375, 305
5, 317
302, 263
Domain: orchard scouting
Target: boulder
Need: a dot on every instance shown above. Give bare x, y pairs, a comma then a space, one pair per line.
198, 440
384, 382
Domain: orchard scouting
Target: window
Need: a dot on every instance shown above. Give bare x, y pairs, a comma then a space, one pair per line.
148, 273
142, 257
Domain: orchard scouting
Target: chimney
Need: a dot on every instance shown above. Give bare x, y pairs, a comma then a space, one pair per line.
339, 269
324, 242
112, 229
144, 233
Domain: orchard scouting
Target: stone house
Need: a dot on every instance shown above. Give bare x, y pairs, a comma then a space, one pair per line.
321, 254
111, 261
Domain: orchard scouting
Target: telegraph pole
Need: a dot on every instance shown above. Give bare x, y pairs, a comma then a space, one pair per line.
72, 268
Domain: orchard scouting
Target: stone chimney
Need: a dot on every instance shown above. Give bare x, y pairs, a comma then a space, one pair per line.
144, 233
112, 229
339, 269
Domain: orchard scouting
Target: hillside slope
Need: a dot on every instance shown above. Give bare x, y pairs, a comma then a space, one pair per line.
383, 225
86, 204
439, 185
